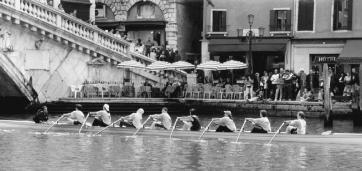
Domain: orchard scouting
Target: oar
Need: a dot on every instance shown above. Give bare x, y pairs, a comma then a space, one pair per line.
207, 127
53, 124
142, 126
241, 130
275, 133
174, 126
80, 129
108, 126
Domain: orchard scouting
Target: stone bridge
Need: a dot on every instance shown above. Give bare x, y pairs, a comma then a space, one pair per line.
44, 51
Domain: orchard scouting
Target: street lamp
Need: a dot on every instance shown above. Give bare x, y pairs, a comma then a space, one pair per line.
249, 59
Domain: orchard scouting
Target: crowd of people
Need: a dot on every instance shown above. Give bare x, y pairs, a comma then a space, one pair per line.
151, 49
286, 85
163, 121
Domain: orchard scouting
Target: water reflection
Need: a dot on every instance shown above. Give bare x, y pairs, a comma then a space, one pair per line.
27, 150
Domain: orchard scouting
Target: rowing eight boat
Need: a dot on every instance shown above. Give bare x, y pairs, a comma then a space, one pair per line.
336, 138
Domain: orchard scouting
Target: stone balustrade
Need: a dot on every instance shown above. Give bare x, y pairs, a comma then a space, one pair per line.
70, 24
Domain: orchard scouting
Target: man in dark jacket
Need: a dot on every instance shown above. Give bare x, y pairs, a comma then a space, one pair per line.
41, 115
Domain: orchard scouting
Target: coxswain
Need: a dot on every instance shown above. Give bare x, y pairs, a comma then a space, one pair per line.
162, 120
41, 115
76, 117
226, 123
102, 118
133, 120
297, 126
260, 125
191, 122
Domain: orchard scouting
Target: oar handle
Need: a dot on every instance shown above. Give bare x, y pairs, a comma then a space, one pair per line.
85, 120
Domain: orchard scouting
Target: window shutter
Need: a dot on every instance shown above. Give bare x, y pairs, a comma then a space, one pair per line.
350, 14
289, 21
223, 21
273, 18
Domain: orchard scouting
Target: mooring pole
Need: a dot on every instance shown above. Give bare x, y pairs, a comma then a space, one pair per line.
327, 95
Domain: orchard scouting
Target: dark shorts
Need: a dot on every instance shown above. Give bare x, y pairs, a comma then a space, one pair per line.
160, 126
77, 123
258, 129
223, 129
293, 131
98, 122
126, 124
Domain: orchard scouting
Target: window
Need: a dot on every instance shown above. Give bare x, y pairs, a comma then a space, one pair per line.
146, 10
305, 15
280, 20
218, 21
342, 17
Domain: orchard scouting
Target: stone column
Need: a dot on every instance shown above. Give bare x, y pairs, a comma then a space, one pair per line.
56, 3
92, 17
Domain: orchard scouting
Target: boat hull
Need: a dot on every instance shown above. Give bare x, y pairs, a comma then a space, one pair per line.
340, 138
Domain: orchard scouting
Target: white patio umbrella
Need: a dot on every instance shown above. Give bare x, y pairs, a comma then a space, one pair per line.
232, 64
181, 65
158, 66
209, 65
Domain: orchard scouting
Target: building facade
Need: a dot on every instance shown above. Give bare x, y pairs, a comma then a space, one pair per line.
172, 24
294, 34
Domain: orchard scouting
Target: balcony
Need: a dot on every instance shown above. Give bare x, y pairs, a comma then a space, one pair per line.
280, 30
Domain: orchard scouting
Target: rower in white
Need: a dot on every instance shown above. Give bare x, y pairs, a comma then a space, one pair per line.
162, 120
74, 118
262, 124
133, 120
102, 118
226, 123
297, 126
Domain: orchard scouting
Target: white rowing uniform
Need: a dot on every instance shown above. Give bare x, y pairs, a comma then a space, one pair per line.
262, 122
300, 124
77, 115
226, 121
165, 119
136, 119
104, 116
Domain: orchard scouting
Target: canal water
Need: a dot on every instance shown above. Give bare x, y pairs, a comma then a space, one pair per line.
30, 150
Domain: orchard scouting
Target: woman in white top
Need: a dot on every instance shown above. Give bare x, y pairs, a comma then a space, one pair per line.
226, 123
260, 125
297, 126
133, 120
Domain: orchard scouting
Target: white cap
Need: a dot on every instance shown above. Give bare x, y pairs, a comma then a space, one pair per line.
106, 107
140, 110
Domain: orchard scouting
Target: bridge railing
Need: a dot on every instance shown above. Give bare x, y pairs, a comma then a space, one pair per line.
69, 23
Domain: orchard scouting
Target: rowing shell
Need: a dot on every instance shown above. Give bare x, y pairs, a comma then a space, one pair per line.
336, 138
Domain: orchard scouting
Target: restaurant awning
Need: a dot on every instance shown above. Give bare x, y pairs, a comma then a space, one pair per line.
352, 52
240, 45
